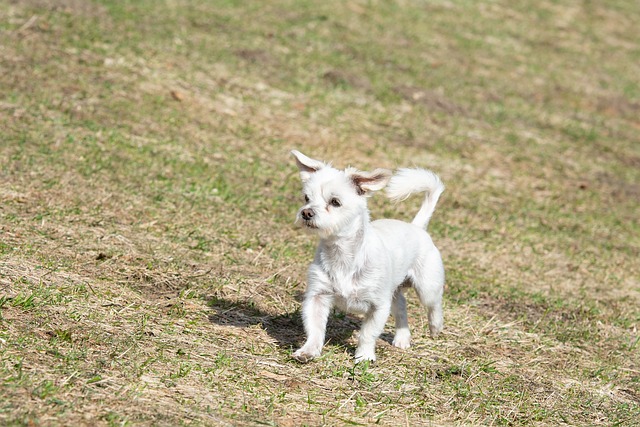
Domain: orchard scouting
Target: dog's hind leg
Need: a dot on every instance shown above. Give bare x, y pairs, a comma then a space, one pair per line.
436, 321
428, 281
402, 338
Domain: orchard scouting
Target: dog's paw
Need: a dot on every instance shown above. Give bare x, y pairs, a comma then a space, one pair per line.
303, 356
435, 330
362, 356
402, 340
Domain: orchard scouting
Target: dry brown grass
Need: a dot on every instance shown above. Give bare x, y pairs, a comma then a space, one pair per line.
150, 273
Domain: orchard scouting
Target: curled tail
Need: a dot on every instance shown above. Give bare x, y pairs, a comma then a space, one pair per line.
408, 181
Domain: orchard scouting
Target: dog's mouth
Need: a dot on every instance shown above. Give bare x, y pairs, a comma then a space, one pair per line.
310, 224
307, 223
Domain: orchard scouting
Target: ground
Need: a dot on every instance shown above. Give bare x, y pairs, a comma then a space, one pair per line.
150, 269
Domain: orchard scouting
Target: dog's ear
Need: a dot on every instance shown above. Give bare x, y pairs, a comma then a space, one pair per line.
306, 165
368, 182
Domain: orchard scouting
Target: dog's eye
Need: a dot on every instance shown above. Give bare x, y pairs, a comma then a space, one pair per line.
335, 202
306, 198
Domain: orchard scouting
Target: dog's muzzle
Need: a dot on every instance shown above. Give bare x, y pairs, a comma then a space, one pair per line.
308, 218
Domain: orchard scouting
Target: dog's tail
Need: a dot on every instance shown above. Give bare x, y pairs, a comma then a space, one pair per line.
409, 181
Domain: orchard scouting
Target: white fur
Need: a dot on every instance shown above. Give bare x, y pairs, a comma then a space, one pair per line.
409, 181
359, 265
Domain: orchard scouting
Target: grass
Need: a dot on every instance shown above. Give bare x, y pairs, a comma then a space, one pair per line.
150, 273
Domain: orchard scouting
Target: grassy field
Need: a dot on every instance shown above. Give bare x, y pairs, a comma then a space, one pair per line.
150, 270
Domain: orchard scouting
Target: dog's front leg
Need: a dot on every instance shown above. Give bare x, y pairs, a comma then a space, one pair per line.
372, 327
315, 313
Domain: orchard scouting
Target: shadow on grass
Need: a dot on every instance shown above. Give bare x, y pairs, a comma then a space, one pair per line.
287, 329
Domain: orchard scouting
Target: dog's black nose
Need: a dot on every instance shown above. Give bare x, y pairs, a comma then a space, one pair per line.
307, 214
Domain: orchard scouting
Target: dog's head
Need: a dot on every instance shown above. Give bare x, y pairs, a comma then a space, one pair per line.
335, 199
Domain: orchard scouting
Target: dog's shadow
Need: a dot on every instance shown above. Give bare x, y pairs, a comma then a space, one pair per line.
286, 329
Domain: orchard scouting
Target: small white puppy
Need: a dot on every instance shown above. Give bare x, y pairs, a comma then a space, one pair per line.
362, 266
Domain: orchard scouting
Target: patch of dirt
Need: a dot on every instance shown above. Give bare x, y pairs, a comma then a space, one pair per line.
619, 106
343, 78
255, 56
619, 189
430, 99
88, 9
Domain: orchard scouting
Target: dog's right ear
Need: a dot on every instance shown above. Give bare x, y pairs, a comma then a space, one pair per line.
368, 182
306, 165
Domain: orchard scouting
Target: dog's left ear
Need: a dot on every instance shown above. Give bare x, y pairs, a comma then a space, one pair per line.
368, 182
306, 165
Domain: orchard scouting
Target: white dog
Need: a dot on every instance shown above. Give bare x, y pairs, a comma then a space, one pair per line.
362, 266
